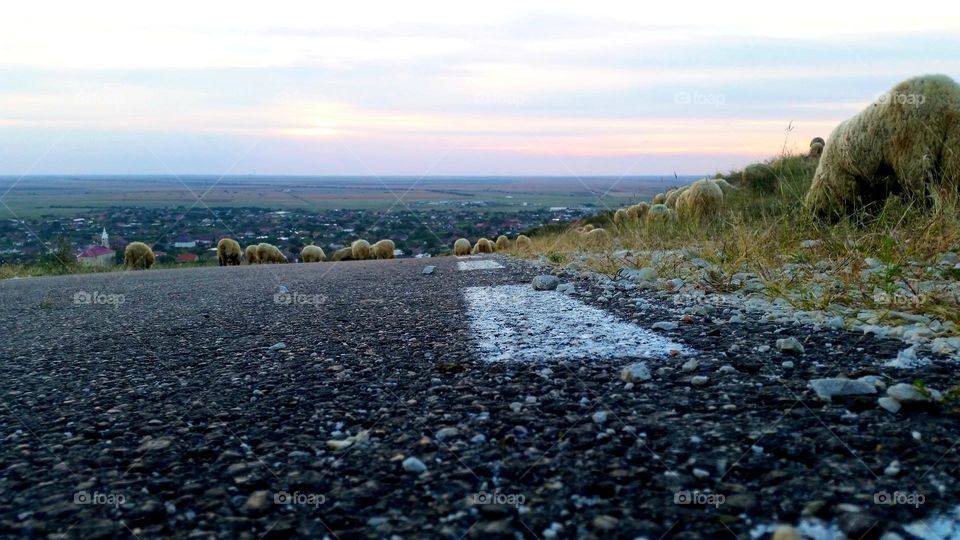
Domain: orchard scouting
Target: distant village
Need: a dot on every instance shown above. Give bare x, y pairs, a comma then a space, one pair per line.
179, 235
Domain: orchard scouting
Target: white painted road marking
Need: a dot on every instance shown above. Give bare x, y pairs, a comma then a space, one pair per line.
482, 264
934, 527
514, 322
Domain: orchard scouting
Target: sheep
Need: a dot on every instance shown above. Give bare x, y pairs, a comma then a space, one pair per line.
312, 253
503, 243
816, 147
383, 249
482, 246
586, 228
342, 254
597, 238
138, 256
269, 254
620, 216
461, 247
702, 199
673, 195
252, 256
637, 211
659, 198
907, 141
360, 250
228, 252
523, 242
659, 213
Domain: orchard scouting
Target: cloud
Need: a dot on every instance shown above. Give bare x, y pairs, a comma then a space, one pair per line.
589, 81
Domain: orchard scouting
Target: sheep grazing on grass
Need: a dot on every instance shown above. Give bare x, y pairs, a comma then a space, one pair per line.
908, 141
759, 177
228, 252
252, 255
816, 147
659, 213
596, 238
383, 249
269, 254
659, 198
483, 246
461, 247
311, 254
342, 254
503, 243
138, 256
637, 211
523, 242
360, 250
620, 216
673, 195
703, 199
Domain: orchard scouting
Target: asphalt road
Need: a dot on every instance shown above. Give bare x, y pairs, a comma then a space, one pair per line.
161, 404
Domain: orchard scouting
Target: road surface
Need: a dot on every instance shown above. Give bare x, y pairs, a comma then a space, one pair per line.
371, 400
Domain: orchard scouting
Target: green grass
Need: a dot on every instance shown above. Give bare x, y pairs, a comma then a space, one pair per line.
761, 230
42, 269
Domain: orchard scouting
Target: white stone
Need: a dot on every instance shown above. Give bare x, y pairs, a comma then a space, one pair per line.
829, 388
414, 465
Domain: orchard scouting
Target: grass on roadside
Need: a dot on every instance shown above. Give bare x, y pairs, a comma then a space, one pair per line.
54, 268
812, 264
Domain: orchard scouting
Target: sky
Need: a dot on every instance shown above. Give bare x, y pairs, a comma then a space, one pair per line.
445, 88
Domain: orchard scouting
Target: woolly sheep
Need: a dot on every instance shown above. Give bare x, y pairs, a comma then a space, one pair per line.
482, 246
312, 253
620, 216
269, 254
360, 250
659, 198
702, 199
461, 247
503, 243
659, 213
523, 242
816, 147
252, 256
383, 249
673, 195
637, 211
907, 141
228, 252
587, 228
138, 256
596, 238
342, 254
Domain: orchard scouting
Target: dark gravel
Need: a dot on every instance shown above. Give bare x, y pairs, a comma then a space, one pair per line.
174, 413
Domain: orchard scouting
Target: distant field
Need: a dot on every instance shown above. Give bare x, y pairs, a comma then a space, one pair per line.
38, 196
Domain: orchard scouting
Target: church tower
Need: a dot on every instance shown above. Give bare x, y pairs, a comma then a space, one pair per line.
104, 238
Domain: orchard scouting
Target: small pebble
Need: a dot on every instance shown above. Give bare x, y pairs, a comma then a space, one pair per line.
414, 465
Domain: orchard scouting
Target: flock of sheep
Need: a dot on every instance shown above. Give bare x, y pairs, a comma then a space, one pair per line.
462, 245
139, 256
701, 199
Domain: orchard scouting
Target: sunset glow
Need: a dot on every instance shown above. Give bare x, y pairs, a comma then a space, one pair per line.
689, 88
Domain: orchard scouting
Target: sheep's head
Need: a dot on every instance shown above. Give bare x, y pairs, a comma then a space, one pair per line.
816, 147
